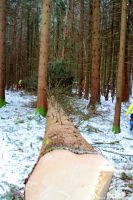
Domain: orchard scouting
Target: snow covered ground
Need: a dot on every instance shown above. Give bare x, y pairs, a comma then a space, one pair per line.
97, 131
21, 134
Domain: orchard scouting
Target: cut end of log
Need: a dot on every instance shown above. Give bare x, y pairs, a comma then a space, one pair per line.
63, 175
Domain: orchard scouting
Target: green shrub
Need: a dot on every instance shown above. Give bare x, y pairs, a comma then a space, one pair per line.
30, 83
60, 76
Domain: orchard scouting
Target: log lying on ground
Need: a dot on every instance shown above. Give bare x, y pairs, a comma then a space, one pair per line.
68, 167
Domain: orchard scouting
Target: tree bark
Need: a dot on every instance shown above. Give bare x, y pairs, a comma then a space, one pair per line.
88, 66
67, 158
43, 59
61, 134
80, 67
11, 80
65, 31
116, 125
2, 50
95, 70
111, 34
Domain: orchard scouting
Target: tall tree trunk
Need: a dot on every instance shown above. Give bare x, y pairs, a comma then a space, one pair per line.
111, 34
43, 59
36, 38
2, 50
13, 52
95, 75
80, 67
125, 85
72, 32
88, 66
20, 69
116, 39
28, 41
57, 45
65, 31
116, 125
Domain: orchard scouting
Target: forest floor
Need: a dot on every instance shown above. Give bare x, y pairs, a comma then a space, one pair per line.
117, 148
21, 134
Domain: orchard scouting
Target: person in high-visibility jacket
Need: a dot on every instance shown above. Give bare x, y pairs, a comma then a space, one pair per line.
130, 111
19, 85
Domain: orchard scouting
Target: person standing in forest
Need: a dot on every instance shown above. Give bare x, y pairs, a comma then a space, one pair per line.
130, 111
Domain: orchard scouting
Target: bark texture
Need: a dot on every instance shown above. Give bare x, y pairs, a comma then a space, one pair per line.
43, 60
80, 68
95, 70
116, 126
88, 66
2, 49
61, 133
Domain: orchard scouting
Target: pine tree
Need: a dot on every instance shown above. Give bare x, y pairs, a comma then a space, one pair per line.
43, 59
95, 69
80, 68
116, 125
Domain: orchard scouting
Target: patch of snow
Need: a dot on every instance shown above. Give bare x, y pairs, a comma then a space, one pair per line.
21, 134
97, 130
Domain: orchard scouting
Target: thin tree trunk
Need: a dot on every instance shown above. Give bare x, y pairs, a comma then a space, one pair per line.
116, 125
2, 51
72, 32
95, 75
116, 39
43, 60
125, 85
65, 31
88, 66
57, 45
20, 66
36, 39
80, 67
108, 83
12, 65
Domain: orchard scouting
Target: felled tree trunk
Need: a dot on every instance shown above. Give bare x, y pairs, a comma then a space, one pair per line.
61, 133
68, 167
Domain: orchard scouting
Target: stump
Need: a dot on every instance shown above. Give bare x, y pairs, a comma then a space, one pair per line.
68, 167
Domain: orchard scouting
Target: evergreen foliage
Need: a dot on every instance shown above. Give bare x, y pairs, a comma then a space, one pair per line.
60, 75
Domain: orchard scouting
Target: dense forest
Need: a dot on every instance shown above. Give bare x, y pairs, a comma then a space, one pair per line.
86, 44
69, 49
